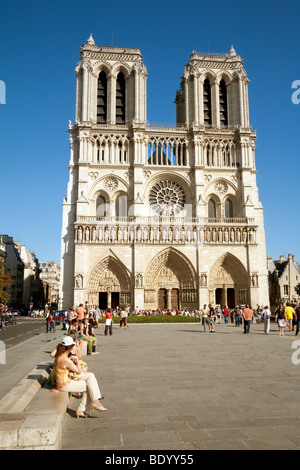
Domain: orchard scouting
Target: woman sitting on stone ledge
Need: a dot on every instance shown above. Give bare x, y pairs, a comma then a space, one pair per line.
71, 378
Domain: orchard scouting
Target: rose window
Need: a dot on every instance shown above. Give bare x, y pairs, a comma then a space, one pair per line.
167, 198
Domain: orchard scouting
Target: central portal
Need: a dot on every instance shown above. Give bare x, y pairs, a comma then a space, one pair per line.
170, 282
168, 299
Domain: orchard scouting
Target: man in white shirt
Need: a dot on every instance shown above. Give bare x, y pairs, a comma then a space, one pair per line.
266, 314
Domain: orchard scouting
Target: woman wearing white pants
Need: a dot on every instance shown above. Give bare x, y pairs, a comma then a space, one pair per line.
266, 316
86, 382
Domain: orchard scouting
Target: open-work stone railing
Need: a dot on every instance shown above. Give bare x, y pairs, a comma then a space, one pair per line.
157, 230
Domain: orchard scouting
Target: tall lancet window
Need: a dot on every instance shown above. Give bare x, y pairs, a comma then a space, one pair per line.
102, 99
228, 209
212, 209
120, 99
223, 104
207, 102
101, 209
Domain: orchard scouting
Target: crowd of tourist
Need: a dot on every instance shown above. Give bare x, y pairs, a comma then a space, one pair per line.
71, 374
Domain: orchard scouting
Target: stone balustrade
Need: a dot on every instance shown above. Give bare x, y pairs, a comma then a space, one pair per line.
177, 230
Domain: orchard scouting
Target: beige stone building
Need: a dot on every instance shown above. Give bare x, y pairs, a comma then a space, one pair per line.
284, 277
31, 280
15, 265
162, 217
50, 279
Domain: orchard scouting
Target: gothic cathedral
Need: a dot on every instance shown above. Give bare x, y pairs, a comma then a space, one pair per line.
162, 217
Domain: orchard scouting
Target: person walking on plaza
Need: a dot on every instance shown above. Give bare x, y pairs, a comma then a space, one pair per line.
108, 322
266, 315
280, 317
247, 316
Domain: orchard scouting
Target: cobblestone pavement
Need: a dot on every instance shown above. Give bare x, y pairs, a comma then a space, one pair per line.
171, 387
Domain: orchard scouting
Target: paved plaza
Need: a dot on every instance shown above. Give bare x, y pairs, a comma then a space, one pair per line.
171, 387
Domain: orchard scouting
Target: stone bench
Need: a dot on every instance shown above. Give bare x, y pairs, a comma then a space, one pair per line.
30, 415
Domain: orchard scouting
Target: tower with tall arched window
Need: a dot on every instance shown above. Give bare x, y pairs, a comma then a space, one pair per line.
161, 217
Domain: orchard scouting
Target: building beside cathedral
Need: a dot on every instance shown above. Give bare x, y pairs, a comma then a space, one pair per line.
162, 217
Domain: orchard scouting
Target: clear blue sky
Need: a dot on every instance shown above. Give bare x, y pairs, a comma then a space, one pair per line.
40, 44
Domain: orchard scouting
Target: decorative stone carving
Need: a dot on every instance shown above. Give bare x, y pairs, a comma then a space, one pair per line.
221, 187
78, 281
111, 183
254, 280
167, 198
139, 280
93, 174
203, 280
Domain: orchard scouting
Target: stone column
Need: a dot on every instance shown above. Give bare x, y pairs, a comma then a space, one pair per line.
108, 299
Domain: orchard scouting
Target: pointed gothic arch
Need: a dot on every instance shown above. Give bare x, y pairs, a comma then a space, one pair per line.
228, 281
170, 281
109, 276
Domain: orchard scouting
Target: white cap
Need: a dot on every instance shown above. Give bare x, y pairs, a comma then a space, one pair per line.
68, 341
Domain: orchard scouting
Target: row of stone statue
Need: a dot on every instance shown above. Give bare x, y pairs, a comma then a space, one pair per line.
162, 234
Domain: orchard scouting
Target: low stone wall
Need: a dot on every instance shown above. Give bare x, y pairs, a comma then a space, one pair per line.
30, 415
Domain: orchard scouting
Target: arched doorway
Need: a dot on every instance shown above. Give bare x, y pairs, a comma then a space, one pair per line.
228, 282
170, 282
109, 284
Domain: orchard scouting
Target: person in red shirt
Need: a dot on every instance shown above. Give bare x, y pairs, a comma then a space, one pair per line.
248, 316
108, 322
226, 314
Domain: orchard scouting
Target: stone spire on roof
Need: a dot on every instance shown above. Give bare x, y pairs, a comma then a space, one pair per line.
90, 40
232, 52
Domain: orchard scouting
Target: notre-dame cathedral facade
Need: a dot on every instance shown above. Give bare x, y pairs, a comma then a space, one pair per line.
162, 217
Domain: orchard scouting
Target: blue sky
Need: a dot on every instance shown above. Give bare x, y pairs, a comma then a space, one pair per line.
40, 42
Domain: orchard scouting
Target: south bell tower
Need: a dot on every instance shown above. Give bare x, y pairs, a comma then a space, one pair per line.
162, 217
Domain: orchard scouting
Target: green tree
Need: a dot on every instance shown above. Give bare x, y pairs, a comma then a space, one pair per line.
5, 282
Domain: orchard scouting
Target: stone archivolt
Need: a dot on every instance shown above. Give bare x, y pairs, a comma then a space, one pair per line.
109, 275
170, 269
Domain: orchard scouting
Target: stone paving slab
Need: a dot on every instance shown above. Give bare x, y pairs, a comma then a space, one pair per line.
171, 387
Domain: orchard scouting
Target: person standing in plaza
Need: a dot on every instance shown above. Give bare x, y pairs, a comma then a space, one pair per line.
98, 316
108, 322
259, 312
247, 316
80, 312
237, 315
266, 315
205, 320
2, 321
226, 314
289, 312
297, 319
219, 313
212, 319
280, 317
48, 322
